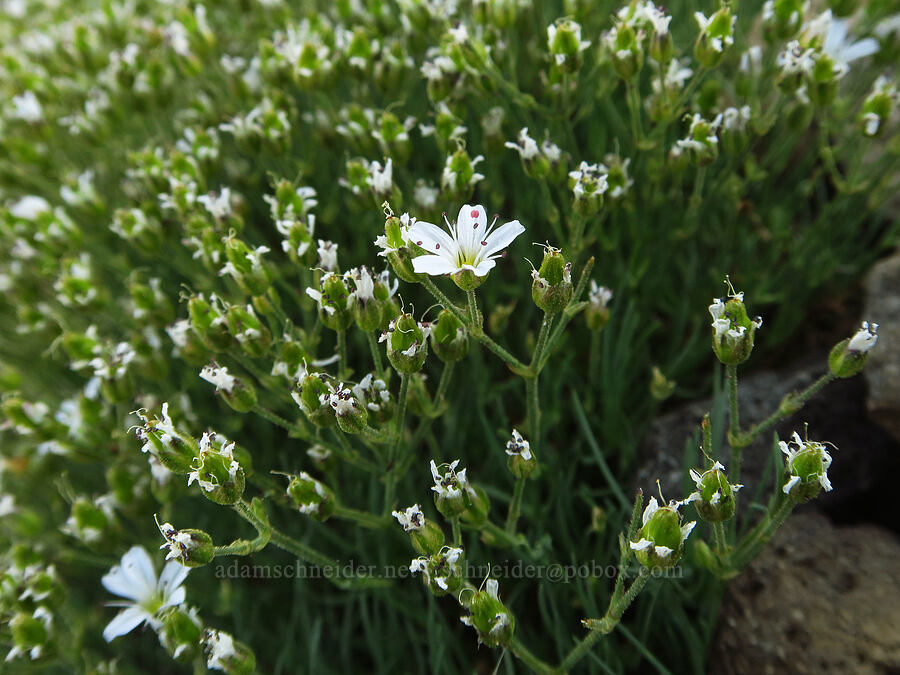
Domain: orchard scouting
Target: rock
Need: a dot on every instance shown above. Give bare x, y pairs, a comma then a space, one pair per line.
819, 599
866, 460
882, 371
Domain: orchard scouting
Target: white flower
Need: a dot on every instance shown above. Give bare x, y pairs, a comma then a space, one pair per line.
791, 453
471, 244
365, 285
425, 195
651, 509
599, 296
697, 477
450, 484
380, 177
865, 338
219, 376
219, 649
526, 146
517, 445
26, 107
448, 557
588, 179
135, 579
328, 252
225, 449
735, 119
176, 541
411, 519
29, 207
838, 45
406, 221
219, 206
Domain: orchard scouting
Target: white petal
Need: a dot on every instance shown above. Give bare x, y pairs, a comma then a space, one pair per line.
432, 238
687, 528
640, 545
482, 268
434, 265
134, 578
859, 50
502, 237
652, 507
663, 551
790, 484
173, 575
124, 622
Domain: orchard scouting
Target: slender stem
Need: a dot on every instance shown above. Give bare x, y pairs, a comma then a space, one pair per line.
376, 354
364, 518
349, 454
734, 424
601, 627
457, 531
754, 540
718, 531
443, 385
438, 294
515, 505
634, 109
533, 410
525, 656
390, 479
275, 419
475, 319
503, 537
541, 342
343, 367
791, 404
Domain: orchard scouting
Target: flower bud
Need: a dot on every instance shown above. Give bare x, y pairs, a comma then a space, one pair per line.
442, 572
30, 633
449, 339
596, 313
716, 33
208, 321
522, 461
426, 535
253, 337
715, 496
237, 392
625, 51
406, 345
394, 243
227, 654
367, 307
311, 497
661, 387
174, 450
459, 176
334, 300
822, 81
588, 183
535, 164
246, 267
452, 492
89, 521
661, 537
733, 330
877, 108
180, 633
848, 357
701, 145
479, 506
192, 548
806, 468
373, 394
219, 474
351, 415
551, 288
314, 398
565, 45
782, 19
151, 304
490, 617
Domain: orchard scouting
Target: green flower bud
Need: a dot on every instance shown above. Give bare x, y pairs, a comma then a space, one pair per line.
588, 184
660, 541
351, 415
246, 267
313, 396
180, 633
782, 19
479, 506
521, 461
335, 302
716, 34
565, 45
238, 392
406, 344
878, 107
452, 492
822, 82
30, 633
253, 337
90, 519
449, 338
426, 536
372, 393
661, 387
848, 357
311, 497
625, 51
227, 654
715, 496
219, 474
490, 617
459, 176
174, 449
192, 548
208, 321
442, 572
150, 302
806, 468
551, 288
733, 330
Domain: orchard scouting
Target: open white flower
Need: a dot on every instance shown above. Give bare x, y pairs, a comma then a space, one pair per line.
517, 445
471, 243
135, 579
411, 519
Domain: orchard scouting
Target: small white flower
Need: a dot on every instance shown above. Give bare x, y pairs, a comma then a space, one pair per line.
791, 453
471, 243
219, 648
176, 541
518, 446
526, 146
381, 177
449, 484
411, 519
328, 252
26, 107
864, 339
29, 207
599, 296
135, 579
218, 376
365, 285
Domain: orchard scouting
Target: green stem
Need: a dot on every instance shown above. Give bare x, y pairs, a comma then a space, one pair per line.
754, 540
390, 479
734, 423
721, 541
475, 319
634, 110
376, 355
601, 627
503, 537
541, 342
343, 368
525, 656
533, 411
364, 518
349, 454
438, 294
443, 385
275, 419
515, 505
791, 404
457, 531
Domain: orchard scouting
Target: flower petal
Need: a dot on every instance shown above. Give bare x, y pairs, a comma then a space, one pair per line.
433, 239
173, 575
859, 50
134, 578
124, 622
434, 265
482, 268
500, 238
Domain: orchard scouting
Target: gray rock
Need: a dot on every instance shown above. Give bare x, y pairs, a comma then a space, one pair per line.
882, 371
819, 599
